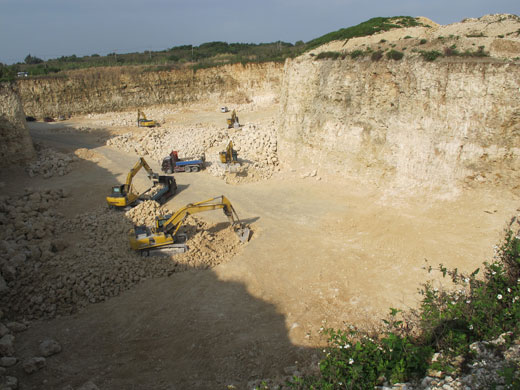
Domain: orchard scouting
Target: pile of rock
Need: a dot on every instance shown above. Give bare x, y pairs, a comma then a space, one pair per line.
9, 361
52, 266
145, 213
50, 163
256, 146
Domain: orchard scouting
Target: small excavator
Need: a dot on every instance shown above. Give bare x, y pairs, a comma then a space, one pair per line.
229, 158
233, 121
124, 196
142, 121
164, 237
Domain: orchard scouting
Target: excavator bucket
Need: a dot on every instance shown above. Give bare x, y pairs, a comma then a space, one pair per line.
243, 233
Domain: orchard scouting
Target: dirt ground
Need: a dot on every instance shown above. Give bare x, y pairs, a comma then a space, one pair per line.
324, 253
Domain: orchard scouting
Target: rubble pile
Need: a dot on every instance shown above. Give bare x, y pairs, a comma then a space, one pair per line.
53, 266
145, 213
50, 163
256, 146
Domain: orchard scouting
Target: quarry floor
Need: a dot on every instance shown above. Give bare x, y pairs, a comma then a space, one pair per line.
324, 253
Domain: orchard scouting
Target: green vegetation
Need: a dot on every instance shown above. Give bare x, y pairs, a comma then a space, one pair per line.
447, 322
357, 53
328, 55
430, 55
369, 27
205, 55
394, 55
7, 73
377, 55
423, 41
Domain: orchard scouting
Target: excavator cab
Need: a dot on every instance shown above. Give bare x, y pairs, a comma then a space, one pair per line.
118, 191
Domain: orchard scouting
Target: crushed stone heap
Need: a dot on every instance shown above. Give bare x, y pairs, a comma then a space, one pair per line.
51, 265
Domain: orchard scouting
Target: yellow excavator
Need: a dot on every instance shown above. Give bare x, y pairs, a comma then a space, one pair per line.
142, 121
124, 195
233, 121
165, 236
230, 155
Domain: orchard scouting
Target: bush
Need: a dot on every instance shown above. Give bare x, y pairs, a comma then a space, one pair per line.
430, 55
423, 41
448, 322
356, 54
394, 55
377, 55
328, 54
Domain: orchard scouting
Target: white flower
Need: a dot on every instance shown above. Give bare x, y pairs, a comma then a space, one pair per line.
470, 327
324, 351
466, 280
499, 296
468, 301
508, 290
350, 361
453, 302
346, 346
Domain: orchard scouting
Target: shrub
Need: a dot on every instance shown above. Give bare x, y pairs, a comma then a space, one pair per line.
394, 55
377, 55
408, 37
430, 55
448, 322
328, 54
423, 41
451, 51
356, 54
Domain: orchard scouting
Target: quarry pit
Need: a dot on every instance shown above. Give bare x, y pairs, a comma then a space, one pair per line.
354, 176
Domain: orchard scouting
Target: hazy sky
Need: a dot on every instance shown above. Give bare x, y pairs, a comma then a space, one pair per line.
53, 28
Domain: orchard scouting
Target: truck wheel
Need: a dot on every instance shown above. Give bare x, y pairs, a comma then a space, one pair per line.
194, 169
187, 169
169, 171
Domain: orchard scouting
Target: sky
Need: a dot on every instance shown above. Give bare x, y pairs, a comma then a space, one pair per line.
54, 28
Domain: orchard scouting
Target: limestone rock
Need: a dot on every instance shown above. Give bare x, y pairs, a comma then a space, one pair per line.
34, 364
49, 347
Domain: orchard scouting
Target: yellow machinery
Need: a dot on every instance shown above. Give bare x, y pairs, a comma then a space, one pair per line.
229, 156
123, 195
165, 236
233, 121
142, 121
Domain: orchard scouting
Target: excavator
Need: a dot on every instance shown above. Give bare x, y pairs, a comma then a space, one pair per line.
142, 121
233, 121
229, 156
124, 196
164, 237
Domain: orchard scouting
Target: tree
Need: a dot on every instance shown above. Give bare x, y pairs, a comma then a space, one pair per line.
30, 60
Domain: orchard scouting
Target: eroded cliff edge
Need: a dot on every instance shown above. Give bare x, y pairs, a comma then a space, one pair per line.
117, 89
16, 144
407, 124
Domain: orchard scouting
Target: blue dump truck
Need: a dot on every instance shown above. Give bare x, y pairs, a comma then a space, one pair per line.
164, 187
173, 163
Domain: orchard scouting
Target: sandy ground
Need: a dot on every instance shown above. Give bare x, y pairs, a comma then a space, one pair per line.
323, 252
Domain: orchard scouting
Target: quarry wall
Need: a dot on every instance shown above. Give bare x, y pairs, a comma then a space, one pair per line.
16, 144
410, 124
116, 89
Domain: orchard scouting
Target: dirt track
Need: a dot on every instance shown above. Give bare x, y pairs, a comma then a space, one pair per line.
323, 250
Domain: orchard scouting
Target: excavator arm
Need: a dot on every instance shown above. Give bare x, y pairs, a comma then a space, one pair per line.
166, 229
123, 195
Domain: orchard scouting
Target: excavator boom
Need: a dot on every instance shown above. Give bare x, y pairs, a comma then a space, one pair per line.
166, 229
123, 195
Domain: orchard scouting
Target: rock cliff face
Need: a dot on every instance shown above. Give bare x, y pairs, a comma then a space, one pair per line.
16, 144
115, 89
409, 124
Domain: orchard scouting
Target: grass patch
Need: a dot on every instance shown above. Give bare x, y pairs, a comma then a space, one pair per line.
367, 28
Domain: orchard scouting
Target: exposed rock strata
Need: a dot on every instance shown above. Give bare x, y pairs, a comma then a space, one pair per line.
16, 144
